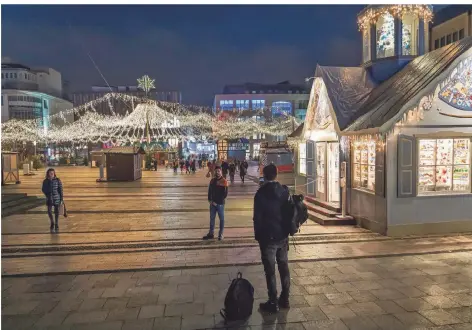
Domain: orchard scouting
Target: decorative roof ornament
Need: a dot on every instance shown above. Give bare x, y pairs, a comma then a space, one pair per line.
146, 83
371, 14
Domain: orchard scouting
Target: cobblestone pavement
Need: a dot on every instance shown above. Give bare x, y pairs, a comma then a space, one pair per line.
129, 256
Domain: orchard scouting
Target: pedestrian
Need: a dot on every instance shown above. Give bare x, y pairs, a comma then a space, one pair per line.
200, 163
242, 170
225, 168
269, 231
175, 165
194, 166
217, 193
232, 171
155, 164
52, 189
187, 166
211, 170
182, 164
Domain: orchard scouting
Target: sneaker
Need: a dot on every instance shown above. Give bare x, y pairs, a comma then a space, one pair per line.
208, 236
269, 307
284, 302
56, 228
220, 238
51, 228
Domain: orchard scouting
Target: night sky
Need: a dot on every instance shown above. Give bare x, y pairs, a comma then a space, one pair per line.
194, 49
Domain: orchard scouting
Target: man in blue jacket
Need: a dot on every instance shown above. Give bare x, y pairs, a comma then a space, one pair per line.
270, 232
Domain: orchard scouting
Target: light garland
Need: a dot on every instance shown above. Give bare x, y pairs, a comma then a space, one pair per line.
160, 120
371, 15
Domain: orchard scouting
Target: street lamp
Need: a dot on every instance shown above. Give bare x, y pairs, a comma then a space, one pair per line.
308, 79
34, 143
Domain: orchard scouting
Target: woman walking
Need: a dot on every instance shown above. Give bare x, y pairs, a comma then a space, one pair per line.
52, 189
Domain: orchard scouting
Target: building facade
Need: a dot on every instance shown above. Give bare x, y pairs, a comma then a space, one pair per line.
274, 99
119, 107
394, 152
33, 94
451, 24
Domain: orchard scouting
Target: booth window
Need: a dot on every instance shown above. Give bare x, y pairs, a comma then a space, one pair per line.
385, 32
410, 26
302, 158
364, 165
242, 104
444, 165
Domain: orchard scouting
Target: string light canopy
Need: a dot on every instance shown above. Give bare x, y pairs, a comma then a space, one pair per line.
149, 121
371, 14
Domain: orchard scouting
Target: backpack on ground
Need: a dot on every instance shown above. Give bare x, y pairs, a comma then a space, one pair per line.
295, 214
239, 300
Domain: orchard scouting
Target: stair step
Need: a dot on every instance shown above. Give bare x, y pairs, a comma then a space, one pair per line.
330, 206
25, 205
12, 202
321, 210
329, 221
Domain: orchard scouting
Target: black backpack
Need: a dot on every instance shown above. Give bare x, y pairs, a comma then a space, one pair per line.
295, 214
239, 300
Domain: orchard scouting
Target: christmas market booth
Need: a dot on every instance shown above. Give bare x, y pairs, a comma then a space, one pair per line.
10, 167
410, 150
401, 150
124, 163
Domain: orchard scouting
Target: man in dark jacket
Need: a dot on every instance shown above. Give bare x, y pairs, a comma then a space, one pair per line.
272, 236
217, 193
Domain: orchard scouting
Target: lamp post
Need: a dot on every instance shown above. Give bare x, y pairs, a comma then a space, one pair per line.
34, 143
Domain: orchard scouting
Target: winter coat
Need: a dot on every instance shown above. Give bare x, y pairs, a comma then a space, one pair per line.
218, 190
268, 221
52, 189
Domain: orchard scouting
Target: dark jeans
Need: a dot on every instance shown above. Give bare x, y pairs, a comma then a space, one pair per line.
270, 253
56, 213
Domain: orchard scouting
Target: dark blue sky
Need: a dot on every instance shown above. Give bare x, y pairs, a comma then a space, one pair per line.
194, 49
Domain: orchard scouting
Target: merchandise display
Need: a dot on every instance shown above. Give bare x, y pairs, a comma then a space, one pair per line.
320, 167
444, 165
364, 165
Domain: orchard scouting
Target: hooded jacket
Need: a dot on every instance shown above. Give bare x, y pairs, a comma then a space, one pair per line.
268, 221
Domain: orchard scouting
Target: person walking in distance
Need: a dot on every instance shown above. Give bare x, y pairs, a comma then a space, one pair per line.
52, 189
217, 193
269, 231
242, 170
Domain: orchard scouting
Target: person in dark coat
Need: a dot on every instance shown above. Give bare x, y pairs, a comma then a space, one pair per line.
52, 189
269, 231
242, 170
217, 193
225, 168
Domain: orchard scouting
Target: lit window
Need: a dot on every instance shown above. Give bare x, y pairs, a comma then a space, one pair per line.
385, 36
281, 108
226, 105
409, 34
364, 165
302, 158
242, 104
443, 165
258, 104
366, 45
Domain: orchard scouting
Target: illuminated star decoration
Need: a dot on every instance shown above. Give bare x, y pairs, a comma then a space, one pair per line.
146, 83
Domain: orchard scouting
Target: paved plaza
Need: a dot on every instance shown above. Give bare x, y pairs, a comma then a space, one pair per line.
130, 256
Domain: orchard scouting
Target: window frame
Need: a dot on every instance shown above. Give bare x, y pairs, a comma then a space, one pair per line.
354, 184
300, 158
451, 192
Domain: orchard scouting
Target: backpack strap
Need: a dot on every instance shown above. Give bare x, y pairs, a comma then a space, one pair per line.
223, 315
